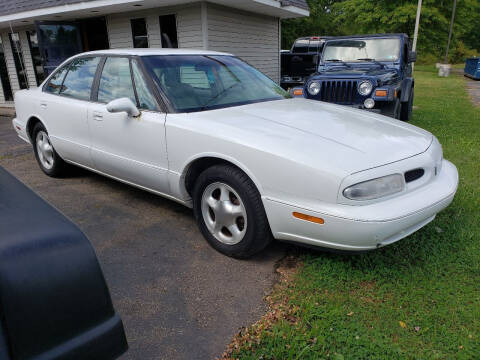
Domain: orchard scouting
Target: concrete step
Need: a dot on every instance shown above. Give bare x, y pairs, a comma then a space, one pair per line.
7, 111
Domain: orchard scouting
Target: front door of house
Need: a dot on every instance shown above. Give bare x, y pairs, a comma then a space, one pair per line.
58, 40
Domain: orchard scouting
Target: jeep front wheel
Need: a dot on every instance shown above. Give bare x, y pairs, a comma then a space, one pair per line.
407, 108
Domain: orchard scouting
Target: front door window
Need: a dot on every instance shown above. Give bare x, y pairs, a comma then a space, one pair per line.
116, 81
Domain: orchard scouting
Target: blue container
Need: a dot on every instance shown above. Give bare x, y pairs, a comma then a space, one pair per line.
472, 68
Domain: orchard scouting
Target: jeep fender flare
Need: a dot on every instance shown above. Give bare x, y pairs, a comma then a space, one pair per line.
407, 86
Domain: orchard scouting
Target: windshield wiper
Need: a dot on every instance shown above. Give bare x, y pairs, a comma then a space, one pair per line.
372, 60
209, 102
339, 61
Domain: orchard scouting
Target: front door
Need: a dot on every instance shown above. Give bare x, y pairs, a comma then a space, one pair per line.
58, 41
130, 149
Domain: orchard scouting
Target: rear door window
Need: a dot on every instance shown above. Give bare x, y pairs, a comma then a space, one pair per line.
79, 79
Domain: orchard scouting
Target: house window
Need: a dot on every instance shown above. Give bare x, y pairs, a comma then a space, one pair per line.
139, 33
18, 58
36, 57
7, 89
168, 31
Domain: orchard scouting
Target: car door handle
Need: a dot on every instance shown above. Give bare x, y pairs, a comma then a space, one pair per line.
97, 116
43, 105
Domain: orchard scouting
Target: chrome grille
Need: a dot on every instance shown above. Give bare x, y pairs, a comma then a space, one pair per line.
338, 91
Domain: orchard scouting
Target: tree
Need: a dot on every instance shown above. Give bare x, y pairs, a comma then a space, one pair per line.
348, 17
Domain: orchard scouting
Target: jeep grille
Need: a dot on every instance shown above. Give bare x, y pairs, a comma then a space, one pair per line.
338, 91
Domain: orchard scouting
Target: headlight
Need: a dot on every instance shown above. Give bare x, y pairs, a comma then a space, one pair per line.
365, 88
314, 88
376, 188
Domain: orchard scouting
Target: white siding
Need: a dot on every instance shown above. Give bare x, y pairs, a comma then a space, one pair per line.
252, 37
27, 59
189, 27
12, 71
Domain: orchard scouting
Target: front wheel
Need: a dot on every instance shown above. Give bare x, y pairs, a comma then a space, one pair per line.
407, 107
392, 109
229, 212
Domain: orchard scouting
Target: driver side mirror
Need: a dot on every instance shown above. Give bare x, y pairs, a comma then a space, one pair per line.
412, 56
123, 105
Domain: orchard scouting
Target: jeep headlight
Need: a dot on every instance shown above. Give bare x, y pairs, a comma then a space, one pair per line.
314, 88
365, 88
376, 188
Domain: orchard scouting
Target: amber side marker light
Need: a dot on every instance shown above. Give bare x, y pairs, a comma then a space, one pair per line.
298, 92
310, 218
381, 93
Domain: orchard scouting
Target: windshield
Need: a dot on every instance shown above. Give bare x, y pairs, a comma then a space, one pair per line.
362, 50
201, 82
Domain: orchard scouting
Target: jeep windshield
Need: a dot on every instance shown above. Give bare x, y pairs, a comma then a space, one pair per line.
202, 82
361, 50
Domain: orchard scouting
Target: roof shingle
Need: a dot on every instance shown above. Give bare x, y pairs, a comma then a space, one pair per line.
8, 7
298, 3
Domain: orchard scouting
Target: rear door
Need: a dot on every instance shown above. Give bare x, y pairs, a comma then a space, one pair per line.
64, 106
128, 148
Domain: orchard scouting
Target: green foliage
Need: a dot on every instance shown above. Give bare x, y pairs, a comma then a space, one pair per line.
416, 299
348, 17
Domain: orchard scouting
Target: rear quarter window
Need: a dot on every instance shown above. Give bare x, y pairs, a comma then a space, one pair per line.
55, 82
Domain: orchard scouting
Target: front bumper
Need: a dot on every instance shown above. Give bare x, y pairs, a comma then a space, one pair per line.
361, 228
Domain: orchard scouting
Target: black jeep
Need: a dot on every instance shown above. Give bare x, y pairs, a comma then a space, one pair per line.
372, 72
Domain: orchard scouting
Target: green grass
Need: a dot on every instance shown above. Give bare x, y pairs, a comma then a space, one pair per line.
416, 299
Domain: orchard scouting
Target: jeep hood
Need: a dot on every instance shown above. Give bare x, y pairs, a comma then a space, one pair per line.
315, 133
359, 72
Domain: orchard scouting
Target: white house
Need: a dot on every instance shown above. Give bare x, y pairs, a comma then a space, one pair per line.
36, 35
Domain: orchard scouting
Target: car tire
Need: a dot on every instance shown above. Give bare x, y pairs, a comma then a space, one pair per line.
407, 107
48, 159
393, 109
230, 213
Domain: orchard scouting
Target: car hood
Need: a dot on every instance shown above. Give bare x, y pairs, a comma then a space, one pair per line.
314, 132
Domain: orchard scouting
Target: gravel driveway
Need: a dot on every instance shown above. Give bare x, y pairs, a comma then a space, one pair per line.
178, 298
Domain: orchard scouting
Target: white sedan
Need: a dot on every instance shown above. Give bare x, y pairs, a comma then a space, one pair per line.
211, 132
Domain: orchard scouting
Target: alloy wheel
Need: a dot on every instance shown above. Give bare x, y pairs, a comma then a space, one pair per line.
224, 213
44, 150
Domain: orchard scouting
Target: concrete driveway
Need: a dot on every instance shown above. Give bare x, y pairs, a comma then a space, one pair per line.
178, 298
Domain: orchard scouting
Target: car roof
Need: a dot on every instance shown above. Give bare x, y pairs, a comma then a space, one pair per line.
366, 36
153, 51
315, 38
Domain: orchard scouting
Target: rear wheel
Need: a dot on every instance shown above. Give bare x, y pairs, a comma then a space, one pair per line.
229, 212
407, 107
48, 159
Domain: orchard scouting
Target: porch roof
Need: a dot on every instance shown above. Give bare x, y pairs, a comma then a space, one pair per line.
24, 12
